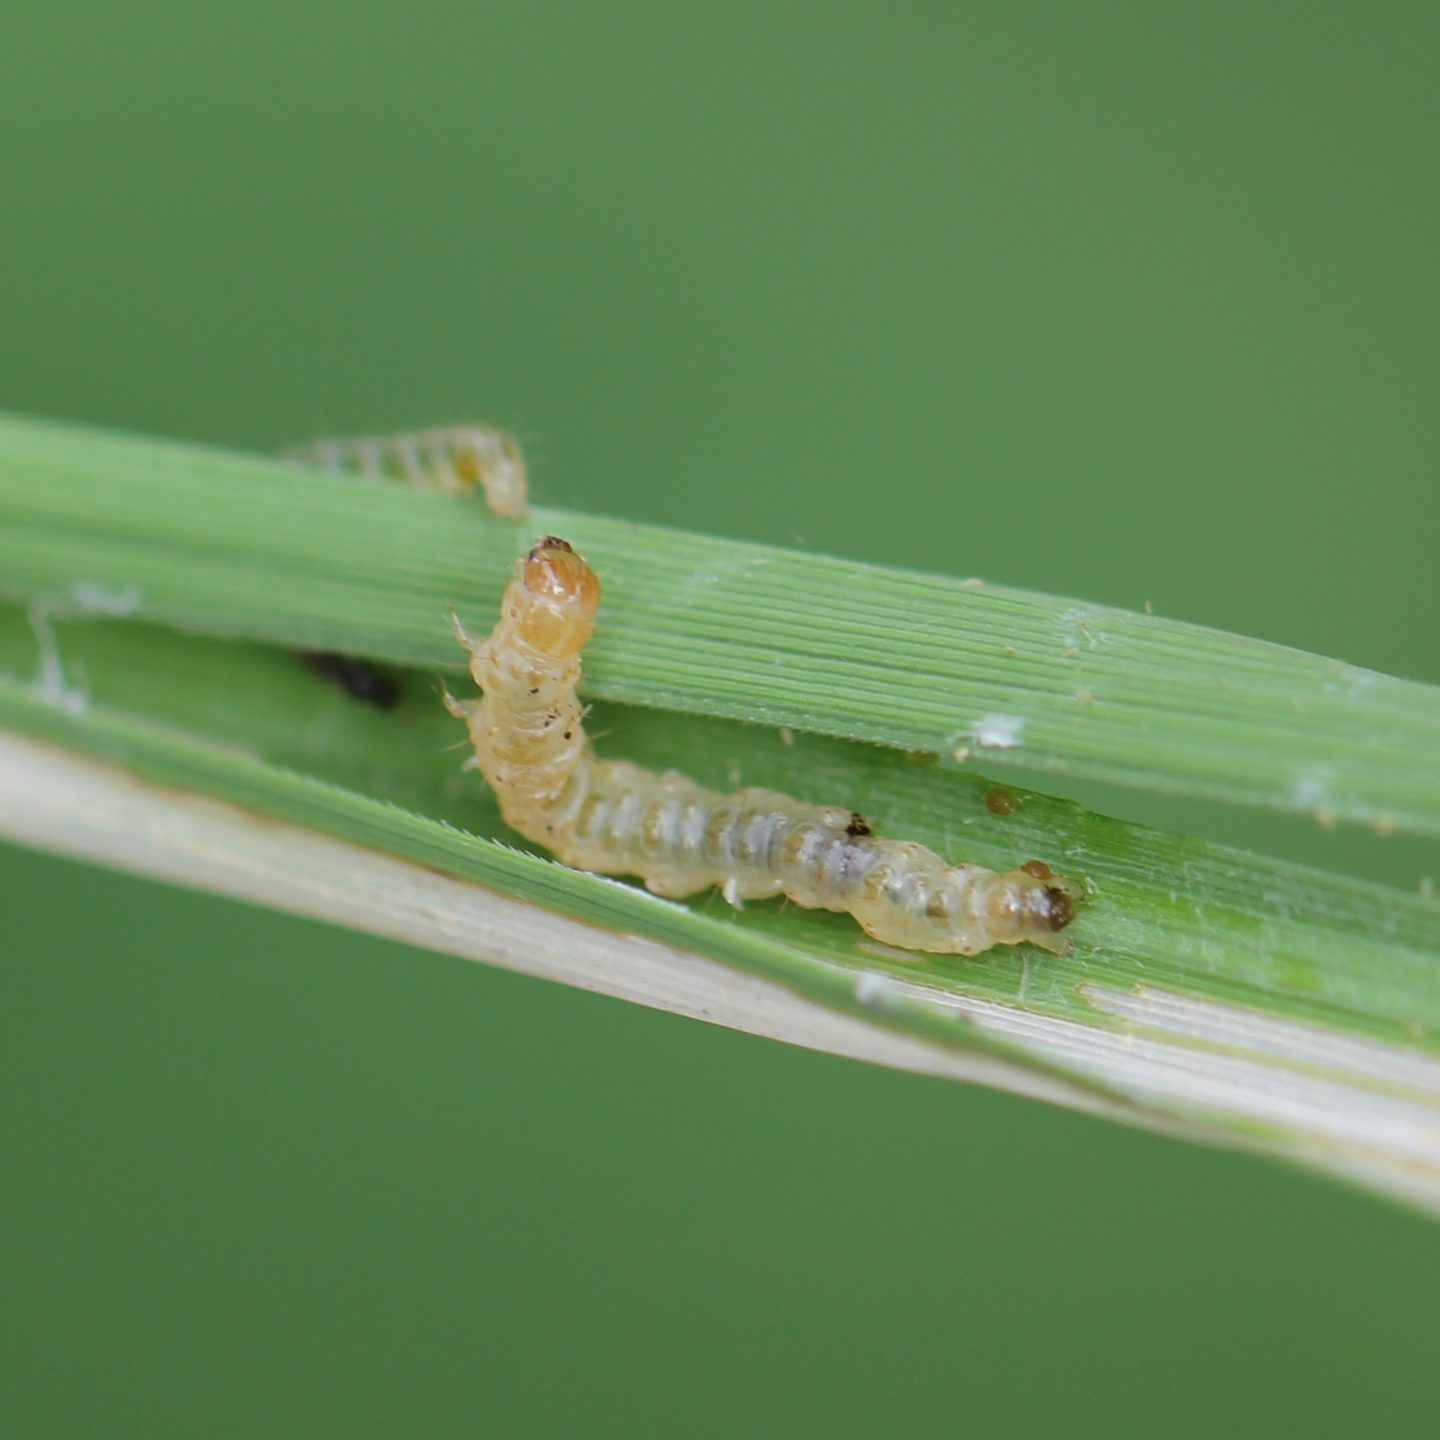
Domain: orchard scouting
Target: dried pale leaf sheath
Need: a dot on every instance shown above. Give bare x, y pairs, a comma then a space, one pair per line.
617, 818
451, 458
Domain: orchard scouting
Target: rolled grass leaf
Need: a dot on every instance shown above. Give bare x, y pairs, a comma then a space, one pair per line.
1033, 685
1215, 994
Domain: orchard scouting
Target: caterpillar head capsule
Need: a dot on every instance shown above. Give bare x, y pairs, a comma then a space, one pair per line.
1039, 904
561, 596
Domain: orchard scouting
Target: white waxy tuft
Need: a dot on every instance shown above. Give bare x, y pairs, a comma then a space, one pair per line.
998, 732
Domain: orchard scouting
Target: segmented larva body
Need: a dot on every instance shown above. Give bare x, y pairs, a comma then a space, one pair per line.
619, 819
453, 459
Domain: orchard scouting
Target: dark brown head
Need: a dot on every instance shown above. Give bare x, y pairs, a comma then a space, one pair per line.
1040, 904
1061, 907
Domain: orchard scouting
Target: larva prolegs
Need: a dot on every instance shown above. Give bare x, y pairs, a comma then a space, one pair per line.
678, 837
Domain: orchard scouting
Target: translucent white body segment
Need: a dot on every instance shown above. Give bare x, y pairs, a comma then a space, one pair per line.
617, 818
453, 459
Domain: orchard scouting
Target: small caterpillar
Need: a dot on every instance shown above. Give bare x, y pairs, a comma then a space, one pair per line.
452, 459
620, 819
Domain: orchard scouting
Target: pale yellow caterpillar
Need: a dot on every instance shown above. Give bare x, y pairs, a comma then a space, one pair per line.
620, 819
453, 459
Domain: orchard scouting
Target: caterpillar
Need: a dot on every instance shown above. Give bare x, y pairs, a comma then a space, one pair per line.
452, 459
618, 818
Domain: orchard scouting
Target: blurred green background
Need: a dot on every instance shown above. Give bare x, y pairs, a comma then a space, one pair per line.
1131, 301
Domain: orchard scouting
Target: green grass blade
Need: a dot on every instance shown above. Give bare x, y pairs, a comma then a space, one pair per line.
1223, 995
238, 546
